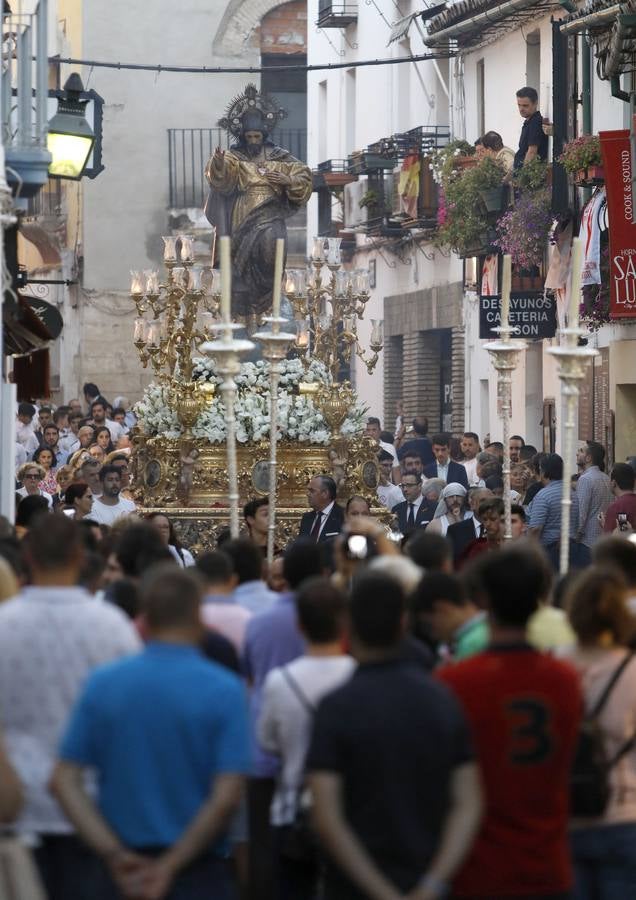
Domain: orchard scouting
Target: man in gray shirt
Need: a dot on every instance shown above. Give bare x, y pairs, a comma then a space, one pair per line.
545, 509
593, 496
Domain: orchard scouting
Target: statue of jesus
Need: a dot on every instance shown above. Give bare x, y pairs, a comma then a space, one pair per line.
254, 187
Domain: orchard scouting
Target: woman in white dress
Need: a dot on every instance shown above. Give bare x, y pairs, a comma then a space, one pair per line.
450, 509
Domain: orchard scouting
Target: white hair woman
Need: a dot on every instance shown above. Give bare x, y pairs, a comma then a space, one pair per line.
451, 508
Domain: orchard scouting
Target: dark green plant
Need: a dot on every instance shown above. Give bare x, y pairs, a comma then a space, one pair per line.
532, 176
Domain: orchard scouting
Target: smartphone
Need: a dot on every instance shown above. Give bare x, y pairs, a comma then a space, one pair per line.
622, 521
356, 546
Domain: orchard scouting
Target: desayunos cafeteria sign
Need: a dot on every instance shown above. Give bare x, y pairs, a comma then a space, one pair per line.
532, 313
617, 162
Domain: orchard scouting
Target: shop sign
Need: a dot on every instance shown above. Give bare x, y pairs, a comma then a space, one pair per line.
617, 162
530, 311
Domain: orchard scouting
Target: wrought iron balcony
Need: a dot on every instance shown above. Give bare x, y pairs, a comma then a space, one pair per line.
337, 14
189, 150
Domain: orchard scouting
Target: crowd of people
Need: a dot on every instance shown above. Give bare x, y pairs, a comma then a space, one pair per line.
416, 711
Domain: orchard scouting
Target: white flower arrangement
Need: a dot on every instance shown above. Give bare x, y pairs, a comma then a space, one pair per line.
299, 419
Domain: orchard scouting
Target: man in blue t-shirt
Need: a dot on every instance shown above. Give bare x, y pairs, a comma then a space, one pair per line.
166, 732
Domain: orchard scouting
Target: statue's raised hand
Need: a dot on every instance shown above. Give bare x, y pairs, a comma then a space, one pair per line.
219, 156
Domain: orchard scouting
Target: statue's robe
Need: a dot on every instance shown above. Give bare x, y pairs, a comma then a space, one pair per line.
243, 205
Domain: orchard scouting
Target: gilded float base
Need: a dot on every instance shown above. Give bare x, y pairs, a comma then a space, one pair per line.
187, 479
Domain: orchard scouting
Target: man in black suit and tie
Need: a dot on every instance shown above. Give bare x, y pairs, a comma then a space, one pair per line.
463, 533
444, 467
327, 518
415, 512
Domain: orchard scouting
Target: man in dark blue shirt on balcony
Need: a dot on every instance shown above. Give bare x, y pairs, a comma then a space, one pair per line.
533, 142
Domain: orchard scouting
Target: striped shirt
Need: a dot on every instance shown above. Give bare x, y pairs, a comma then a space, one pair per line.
593, 496
545, 512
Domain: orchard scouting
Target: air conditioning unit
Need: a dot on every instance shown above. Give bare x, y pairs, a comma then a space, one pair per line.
354, 214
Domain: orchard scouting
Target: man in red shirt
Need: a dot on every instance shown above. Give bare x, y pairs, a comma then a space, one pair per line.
622, 483
524, 709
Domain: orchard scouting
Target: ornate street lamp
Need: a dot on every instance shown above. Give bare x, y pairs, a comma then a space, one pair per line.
70, 138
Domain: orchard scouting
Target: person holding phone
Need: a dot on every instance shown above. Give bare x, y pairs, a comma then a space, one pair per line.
621, 513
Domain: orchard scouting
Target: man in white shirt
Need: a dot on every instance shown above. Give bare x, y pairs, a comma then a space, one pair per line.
291, 694
470, 448
51, 636
374, 430
24, 432
110, 506
70, 442
389, 494
99, 420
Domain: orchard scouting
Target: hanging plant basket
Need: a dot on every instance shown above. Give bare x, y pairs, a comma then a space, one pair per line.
590, 176
494, 199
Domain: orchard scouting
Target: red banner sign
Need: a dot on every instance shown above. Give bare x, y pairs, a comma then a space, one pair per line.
617, 162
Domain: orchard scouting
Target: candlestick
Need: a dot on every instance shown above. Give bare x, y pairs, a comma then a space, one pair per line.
575, 282
226, 279
278, 277
506, 281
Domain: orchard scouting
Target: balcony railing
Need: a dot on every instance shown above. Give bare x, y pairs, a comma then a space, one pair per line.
190, 148
337, 13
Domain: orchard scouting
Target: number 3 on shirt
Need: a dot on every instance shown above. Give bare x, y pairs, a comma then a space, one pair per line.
531, 741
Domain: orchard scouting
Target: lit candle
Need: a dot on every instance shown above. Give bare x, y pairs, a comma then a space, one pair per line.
506, 280
575, 283
136, 284
187, 248
152, 281
169, 248
278, 276
226, 279
140, 330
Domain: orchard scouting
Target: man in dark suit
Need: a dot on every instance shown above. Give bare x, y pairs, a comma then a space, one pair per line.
444, 467
461, 534
327, 518
415, 512
419, 444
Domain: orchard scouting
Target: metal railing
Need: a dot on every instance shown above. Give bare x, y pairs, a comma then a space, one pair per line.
24, 83
190, 148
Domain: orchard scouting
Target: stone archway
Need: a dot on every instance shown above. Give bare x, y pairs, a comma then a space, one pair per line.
239, 21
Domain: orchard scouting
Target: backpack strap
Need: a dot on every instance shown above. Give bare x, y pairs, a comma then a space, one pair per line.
297, 691
602, 700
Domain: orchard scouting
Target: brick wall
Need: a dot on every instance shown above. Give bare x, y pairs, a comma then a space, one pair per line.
393, 378
284, 29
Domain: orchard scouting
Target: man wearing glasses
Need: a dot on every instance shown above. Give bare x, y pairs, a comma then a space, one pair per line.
414, 512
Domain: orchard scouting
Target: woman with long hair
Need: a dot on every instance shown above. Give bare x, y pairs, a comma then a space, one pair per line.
603, 847
45, 457
168, 535
79, 500
103, 438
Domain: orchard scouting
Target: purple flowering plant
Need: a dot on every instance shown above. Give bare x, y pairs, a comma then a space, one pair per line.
524, 230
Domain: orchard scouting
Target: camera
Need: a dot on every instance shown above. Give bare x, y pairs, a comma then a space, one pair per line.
621, 518
356, 546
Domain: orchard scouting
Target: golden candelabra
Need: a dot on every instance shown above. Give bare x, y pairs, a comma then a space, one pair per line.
328, 301
174, 316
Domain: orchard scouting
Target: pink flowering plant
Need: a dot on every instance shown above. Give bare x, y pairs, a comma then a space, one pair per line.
524, 230
580, 153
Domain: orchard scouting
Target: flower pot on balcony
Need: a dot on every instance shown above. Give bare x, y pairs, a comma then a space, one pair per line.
493, 199
590, 176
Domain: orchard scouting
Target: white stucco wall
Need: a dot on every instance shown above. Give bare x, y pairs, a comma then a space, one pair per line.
386, 100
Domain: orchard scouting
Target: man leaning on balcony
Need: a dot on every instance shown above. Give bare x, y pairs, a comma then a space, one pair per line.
533, 142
